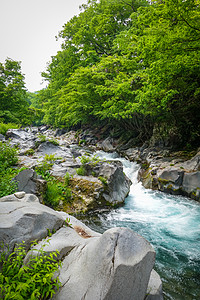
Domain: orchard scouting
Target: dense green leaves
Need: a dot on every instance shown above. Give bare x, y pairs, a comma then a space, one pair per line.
128, 62
34, 280
13, 104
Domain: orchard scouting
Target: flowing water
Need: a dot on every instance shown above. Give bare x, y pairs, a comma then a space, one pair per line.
170, 223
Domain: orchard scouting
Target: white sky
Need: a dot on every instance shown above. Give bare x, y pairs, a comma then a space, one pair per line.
27, 33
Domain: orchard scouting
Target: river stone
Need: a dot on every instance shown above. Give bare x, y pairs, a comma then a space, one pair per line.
20, 197
20, 221
191, 184
114, 266
29, 182
106, 145
172, 175
117, 183
154, 290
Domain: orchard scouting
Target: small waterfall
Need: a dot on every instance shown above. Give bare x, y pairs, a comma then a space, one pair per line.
170, 223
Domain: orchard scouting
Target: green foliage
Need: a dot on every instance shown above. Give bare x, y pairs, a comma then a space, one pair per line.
93, 160
42, 138
81, 171
54, 142
103, 180
30, 152
8, 158
68, 222
45, 166
57, 190
130, 64
13, 105
8, 155
4, 127
34, 280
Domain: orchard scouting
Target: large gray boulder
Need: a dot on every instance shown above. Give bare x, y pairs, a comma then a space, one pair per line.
117, 183
191, 185
26, 221
113, 266
154, 289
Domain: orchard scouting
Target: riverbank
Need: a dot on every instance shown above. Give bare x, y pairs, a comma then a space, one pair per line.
173, 172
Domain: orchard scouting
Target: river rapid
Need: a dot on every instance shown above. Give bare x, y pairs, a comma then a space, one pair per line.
170, 223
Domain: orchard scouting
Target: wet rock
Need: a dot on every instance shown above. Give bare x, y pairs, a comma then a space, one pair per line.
106, 145
191, 185
154, 290
172, 175
117, 184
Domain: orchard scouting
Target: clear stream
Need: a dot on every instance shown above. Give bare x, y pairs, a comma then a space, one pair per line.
170, 223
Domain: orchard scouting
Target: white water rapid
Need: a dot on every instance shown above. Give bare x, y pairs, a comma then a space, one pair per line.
170, 223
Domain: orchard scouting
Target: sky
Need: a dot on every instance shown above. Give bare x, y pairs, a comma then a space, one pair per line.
27, 33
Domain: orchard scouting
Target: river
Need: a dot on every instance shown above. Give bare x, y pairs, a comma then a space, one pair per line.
170, 223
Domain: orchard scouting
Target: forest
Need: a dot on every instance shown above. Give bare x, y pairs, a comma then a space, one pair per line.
131, 65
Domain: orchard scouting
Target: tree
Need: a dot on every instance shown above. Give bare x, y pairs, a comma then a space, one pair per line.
13, 104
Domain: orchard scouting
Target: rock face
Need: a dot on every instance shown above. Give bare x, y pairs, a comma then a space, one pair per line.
25, 221
29, 182
117, 183
114, 265
175, 177
154, 290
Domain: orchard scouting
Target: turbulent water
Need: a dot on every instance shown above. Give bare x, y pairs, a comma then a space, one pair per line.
170, 223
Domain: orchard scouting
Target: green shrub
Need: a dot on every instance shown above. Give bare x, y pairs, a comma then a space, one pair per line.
45, 166
8, 155
42, 138
57, 190
103, 180
53, 195
81, 171
4, 127
8, 158
7, 187
35, 280
29, 152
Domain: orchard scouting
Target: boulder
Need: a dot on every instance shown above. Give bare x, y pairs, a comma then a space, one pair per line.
29, 182
23, 138
26, 221
117, 184
191, 185
154, 289
106, 145
113, 266
20, 197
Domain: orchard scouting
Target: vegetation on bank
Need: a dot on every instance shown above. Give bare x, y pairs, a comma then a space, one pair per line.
8, 159
33, 280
